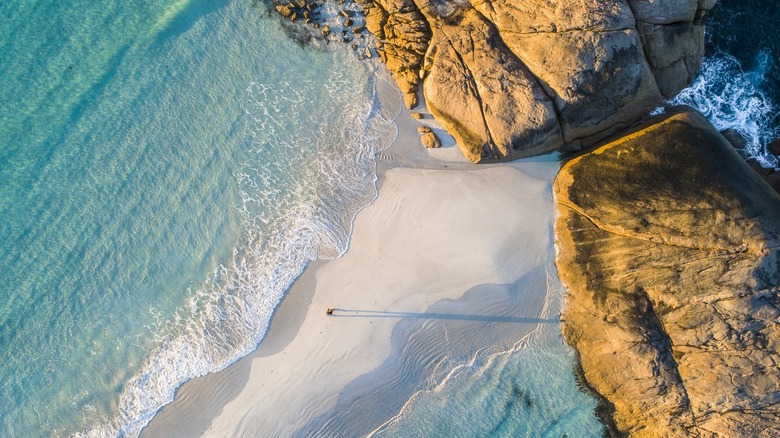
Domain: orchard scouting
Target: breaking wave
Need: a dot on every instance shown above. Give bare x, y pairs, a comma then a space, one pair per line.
296, 206
733, 98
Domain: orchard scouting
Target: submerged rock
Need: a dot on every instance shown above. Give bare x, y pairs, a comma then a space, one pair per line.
774, 147
669, 246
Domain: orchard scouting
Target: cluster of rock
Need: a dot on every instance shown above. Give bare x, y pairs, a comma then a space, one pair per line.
343, 22
298, 9
403, 36
669, 246
511, 79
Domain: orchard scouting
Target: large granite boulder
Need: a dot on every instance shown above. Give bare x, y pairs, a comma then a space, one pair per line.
481, 92
669, 246
511, 79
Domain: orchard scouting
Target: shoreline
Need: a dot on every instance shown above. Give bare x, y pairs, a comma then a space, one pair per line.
291, 369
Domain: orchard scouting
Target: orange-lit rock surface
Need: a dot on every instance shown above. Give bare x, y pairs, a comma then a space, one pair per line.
511, 79
669, 246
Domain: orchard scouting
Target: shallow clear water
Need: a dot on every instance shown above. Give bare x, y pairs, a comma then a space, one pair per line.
510, 375
166, 170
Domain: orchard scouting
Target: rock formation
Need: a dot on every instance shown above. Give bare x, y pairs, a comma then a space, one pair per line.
402, 38
669, 245
511, 79
774, 147
428, 138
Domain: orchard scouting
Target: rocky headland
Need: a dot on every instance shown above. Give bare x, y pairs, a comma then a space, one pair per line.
514, 79
669, 245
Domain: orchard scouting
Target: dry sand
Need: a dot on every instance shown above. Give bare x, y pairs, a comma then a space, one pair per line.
440, 227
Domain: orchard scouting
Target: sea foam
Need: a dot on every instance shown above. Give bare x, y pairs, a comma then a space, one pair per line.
733, 98
285, 226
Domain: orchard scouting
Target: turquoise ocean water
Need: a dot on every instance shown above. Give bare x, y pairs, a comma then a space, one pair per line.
166, 169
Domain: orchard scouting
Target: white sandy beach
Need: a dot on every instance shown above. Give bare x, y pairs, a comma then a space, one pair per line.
440, 229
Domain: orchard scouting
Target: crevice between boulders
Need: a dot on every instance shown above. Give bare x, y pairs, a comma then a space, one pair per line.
543, 86
473, 84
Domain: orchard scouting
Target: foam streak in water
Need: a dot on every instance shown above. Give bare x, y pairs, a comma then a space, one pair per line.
285, 228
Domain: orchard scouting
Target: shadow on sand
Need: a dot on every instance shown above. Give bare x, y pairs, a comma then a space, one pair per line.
352, 313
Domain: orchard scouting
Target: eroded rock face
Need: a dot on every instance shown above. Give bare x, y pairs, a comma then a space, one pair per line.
403, 36
669, 246
481, 92
511, 79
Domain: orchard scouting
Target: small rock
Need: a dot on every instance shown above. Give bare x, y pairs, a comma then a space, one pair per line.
348, 22
761, 170
368, 53
571, 147
417, 116
430, 141
774, 147
410, 99
286, 11
735, 138
423, 129
359, 29
325, 30
774, 180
